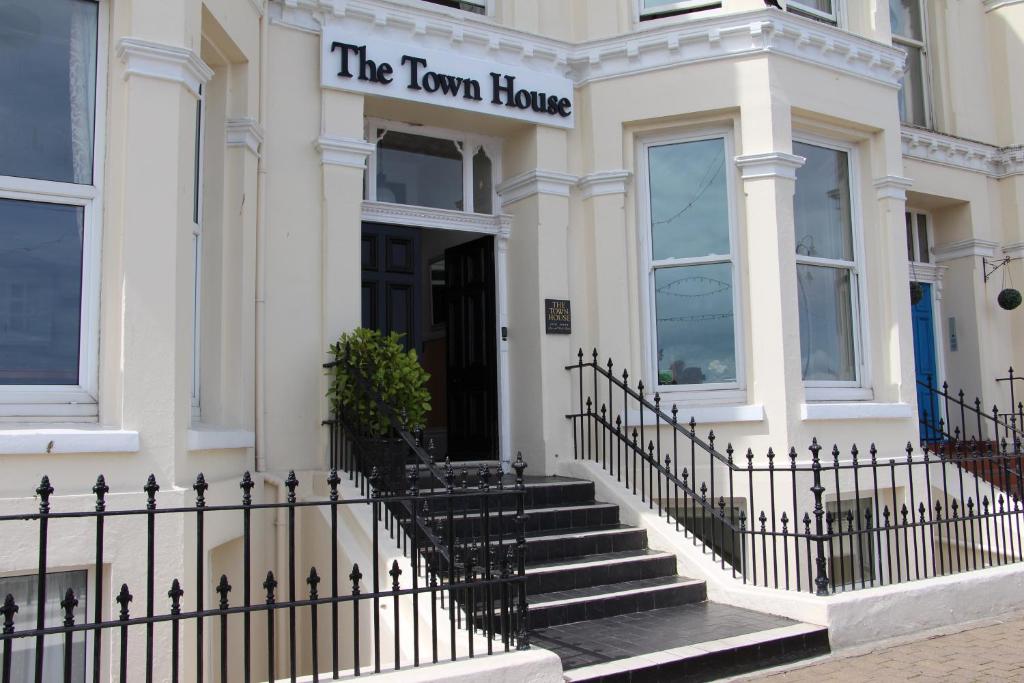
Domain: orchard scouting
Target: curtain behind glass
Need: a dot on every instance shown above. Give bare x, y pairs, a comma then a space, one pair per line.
48, 81
24, 588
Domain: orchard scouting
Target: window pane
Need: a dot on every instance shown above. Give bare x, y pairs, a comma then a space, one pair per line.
911, 98
413, 169
482, 180
910, 237
826, 323
48, 81
822, 203
40, 292
823, 6
23, 589
696, 337
922, 238
689, 203
905, 18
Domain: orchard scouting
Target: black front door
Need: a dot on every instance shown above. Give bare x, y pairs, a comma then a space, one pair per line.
391, 281
472, 359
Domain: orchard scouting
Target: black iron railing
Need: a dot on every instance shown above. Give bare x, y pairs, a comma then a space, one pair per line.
821, 524
306, 602
950, 419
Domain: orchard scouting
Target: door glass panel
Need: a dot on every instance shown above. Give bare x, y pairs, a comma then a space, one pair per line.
689, 199
418, 170
40, 292
822, 204
48, 81
695, 332
826, 323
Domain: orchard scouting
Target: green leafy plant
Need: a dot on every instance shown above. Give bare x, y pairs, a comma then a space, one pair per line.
388, 370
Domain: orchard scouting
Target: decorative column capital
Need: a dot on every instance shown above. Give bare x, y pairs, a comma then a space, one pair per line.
604, 182
893, 187
349, 152
165, 62
769, 165
536, 181
244, 132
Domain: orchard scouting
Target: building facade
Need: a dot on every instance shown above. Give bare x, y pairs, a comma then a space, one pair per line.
728, 200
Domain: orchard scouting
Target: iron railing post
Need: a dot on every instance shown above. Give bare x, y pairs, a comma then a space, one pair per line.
523, 638
821, 578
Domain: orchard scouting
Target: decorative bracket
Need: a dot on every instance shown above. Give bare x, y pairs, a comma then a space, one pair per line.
991, 266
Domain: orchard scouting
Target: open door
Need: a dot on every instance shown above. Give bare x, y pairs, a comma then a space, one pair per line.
391, 281
472, 354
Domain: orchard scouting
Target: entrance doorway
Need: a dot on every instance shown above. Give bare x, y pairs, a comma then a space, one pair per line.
925, 362
437, 288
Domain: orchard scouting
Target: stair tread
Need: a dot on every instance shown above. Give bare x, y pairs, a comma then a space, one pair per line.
605, 590
555, 534
506, 511
598, 559
693, 626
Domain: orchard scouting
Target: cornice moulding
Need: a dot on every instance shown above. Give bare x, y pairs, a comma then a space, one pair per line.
164, 62
1014, 249
769, 165
350, 152
967, 155
426, 217
719, 37
244, 132
893, 187
963, 248
537, 181
604, 183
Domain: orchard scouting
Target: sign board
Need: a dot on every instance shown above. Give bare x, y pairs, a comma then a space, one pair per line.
447, 79
557, 316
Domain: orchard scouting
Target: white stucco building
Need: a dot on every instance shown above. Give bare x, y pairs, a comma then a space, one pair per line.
198, 197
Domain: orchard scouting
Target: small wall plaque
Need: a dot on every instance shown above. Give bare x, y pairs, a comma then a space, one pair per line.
557, 316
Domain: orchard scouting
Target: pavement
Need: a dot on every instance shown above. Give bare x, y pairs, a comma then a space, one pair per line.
983, 651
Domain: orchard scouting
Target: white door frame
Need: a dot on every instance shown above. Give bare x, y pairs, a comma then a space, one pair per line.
500, 227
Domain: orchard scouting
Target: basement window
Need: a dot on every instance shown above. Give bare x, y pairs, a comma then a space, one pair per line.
851, 551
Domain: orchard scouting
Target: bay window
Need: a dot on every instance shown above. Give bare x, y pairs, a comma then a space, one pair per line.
690, 263
49, 192
827, 268
655, 9
908, 33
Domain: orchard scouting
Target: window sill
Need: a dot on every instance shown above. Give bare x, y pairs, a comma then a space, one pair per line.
42, 440
210, 438
833, 394
856, 411
703, 414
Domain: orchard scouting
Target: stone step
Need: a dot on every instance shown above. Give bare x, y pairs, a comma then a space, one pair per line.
598, 570
541, 492
608, 600
692, 642
469, 523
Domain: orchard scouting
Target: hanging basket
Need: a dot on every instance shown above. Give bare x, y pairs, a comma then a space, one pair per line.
1009, 299
916, 293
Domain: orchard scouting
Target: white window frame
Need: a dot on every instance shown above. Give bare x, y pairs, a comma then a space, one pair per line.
71, 401
836, 18
915, 236
673, 9
488, 6
197, 250
466, 143
859, 388
711, 392
922, 45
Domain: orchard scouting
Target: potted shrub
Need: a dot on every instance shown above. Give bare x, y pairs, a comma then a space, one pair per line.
371, 365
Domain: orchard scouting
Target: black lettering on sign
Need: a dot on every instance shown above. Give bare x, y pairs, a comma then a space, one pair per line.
557, 316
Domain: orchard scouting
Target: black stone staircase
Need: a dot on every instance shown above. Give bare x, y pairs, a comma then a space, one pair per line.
614, 609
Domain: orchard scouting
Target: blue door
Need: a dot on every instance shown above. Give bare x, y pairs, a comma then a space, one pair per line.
925, 365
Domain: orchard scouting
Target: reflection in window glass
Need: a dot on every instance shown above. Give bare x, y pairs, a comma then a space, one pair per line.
48, 81
695, 330
482, 191
23, 589
689, 204
822, 204
905, 18
417, 170
911, 96
826, 323
40, 292
922, 238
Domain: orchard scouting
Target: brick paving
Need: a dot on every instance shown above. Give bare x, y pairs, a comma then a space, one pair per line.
987, 651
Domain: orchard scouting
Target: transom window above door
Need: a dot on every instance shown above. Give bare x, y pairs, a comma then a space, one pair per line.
432, 168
